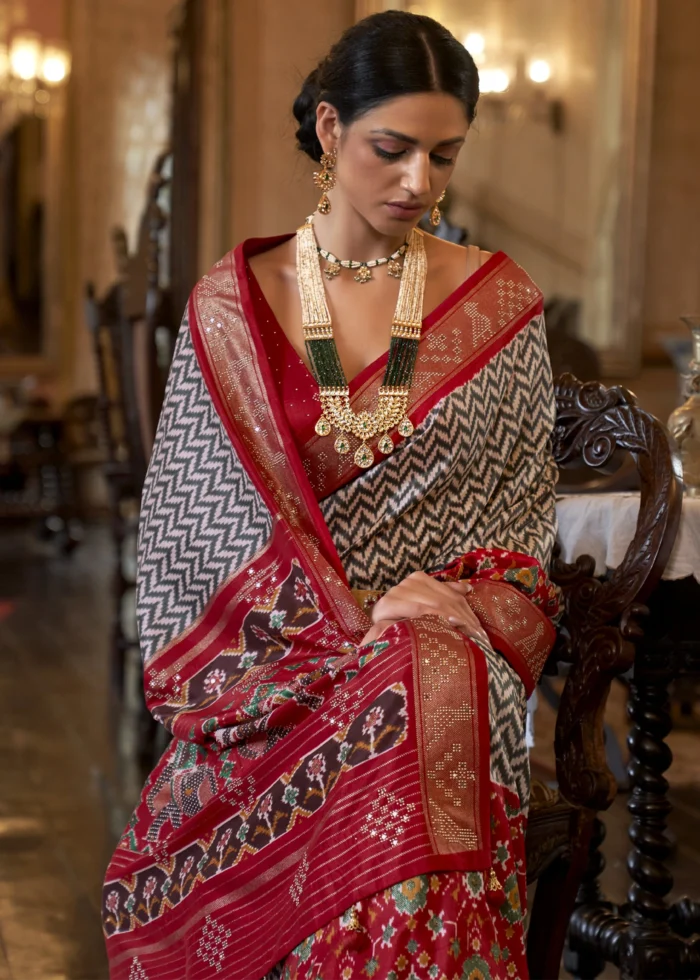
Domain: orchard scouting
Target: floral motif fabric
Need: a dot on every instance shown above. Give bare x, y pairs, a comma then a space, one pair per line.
450, 925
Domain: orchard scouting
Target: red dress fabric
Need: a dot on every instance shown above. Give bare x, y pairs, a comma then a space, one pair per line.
449, 925
296, 386
311, 777
452, 925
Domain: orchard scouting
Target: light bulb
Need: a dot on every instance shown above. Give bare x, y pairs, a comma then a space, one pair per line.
539, 71
493, 80
25, 52
55, 66
475, 44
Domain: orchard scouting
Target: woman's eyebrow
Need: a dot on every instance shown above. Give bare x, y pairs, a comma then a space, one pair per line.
412, 140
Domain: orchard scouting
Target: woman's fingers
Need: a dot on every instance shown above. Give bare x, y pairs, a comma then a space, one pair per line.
376, 631
398, 607
420, 593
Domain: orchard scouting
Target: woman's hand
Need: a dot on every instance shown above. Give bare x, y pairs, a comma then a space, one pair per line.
421, 595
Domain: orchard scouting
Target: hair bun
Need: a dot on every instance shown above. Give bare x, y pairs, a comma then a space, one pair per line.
305, 114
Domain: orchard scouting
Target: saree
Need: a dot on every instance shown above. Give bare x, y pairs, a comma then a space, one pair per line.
313, 784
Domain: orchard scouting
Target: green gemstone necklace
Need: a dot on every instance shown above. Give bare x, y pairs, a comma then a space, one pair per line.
334, 392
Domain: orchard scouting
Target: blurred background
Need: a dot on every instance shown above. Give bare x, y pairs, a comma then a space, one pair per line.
139, 142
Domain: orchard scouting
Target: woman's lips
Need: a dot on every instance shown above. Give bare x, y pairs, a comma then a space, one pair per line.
405, 212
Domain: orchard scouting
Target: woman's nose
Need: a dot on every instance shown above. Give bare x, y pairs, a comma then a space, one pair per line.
417, 177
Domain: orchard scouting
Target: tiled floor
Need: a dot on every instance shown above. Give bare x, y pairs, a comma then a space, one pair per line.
63, 800
57, 771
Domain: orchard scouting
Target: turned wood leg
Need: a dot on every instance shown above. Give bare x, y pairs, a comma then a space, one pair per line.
650, 950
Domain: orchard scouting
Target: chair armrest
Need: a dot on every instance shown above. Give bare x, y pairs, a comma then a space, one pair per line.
601, 620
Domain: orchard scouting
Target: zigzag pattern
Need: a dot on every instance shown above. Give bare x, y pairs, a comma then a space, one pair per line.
201, 517
510, 765
477, 472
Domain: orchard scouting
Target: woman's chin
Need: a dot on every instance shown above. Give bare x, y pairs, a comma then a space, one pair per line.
390, 225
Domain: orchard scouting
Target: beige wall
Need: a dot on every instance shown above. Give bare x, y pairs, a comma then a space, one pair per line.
275, 45
117, 123
569, 206
672, 285
254, 181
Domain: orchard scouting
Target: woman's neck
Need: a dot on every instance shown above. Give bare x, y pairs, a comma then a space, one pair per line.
347, 235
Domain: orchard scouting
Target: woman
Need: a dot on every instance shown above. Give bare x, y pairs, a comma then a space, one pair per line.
342, 598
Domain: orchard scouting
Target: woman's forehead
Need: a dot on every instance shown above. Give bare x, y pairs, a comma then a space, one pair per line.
431, 116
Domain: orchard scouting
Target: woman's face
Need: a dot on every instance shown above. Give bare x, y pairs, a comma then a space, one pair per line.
396, 160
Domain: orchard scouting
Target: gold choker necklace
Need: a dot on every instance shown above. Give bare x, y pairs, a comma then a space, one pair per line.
334, 265
334, 392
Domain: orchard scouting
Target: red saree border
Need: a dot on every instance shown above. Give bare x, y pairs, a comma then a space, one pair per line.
297, 498
453, 736
516, 627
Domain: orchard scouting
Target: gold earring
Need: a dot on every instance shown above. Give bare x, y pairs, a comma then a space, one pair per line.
436, 213
326, 180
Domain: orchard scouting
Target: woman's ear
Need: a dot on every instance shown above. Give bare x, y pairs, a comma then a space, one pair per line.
327, 126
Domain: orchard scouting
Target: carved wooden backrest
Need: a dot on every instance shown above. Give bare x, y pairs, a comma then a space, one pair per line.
602, 617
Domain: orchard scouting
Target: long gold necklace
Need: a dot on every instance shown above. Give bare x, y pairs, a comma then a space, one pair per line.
334, 392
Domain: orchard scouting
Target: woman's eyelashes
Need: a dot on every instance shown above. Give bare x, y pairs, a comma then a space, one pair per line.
387, 155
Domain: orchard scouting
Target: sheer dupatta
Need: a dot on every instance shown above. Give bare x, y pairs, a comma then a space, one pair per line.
305, 772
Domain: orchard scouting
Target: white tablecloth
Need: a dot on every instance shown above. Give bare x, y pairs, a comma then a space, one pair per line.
602, 525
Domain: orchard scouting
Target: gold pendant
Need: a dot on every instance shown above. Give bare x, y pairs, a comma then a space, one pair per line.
332, 270
394, 268
405, 428
364, 457
386, 444
324, 205
364, 274
365, 424
323, 426
342, 445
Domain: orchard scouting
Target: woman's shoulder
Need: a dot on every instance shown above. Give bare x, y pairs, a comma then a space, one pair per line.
459, 259
276, 260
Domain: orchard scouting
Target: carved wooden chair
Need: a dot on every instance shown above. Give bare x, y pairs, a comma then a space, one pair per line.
596, 639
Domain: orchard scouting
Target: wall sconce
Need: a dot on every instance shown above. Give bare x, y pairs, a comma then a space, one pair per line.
518, 92
29, 71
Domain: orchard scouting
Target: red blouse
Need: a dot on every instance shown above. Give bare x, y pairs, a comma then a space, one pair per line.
295, 383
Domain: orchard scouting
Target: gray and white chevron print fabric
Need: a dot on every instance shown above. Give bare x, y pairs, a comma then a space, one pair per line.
201, 516
477, 472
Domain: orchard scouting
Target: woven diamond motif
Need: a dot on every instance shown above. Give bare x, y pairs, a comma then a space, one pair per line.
213, 943
136, 971
387, 818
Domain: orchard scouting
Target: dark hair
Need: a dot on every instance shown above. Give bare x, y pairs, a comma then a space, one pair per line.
383, 56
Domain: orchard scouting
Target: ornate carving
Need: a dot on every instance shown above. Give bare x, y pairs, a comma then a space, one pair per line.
602, 617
